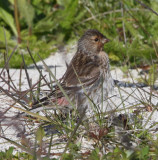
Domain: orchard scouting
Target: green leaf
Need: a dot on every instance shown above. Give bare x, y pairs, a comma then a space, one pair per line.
2, 38
9, 153
44, 26
95, 154
130, 27
26, 11
40, 134
114, 57
67, 156
11, 1
69, 14
8, 19
144, 152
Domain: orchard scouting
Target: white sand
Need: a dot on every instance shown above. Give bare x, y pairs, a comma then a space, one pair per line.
120, 99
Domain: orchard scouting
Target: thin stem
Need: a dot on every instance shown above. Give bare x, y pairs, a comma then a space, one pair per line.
144, 5
123, 23
17, 20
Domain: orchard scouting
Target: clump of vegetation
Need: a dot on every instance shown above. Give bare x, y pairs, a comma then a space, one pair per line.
50, 134
46, 25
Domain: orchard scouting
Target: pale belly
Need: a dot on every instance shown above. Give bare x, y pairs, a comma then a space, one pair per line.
97, 94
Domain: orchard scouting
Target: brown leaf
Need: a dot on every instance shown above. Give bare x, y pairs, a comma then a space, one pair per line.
148, 108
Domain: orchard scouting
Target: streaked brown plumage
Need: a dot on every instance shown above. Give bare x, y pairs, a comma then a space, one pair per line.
87, 74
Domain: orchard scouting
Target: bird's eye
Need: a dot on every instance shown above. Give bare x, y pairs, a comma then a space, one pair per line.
96, 39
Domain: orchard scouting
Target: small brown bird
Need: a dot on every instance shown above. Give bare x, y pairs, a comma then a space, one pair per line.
87, 77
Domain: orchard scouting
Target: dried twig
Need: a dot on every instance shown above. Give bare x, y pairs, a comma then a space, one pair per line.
110, 12
38, 68
144, 5
28, 79
8, 59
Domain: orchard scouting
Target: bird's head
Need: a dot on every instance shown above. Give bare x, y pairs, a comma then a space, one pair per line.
92, 42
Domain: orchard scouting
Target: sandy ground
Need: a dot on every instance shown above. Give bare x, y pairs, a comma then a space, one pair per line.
121, 98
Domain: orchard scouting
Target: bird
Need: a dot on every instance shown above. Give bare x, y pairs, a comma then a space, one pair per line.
87, 76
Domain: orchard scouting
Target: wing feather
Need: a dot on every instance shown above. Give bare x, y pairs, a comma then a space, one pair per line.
83, 70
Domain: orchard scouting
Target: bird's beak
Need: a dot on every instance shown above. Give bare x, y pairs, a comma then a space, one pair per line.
105, 40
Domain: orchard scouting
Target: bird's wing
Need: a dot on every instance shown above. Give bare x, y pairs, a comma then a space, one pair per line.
83, 71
